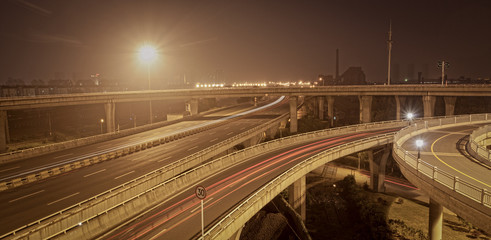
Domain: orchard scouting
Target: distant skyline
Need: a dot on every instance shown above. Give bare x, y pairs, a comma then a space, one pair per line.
256, 40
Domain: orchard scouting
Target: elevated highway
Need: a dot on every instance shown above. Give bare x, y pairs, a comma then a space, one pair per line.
242, 183
29, 202
365, 93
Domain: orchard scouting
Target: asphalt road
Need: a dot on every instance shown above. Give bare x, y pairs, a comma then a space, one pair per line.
441, 149
179, 217
33, 201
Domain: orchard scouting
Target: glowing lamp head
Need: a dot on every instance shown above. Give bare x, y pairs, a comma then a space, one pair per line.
410, 116
419, 143
102, 120
147, 54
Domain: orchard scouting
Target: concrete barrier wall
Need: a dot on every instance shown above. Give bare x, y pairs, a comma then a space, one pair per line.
37, 151
471, 202
91, 217
478, 142
234, 220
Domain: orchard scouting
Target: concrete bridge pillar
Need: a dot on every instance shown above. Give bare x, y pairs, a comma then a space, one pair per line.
320, 101
435, 221
296, 197
270, 133
449, 105
3, 131
110, 109
377, 169
293, 114
330, 109
365, 108
192, 106
399, 100
429, 106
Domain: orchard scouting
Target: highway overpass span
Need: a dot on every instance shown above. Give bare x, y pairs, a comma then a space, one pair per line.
326, 94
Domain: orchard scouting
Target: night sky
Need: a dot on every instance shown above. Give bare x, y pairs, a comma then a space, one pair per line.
241, 40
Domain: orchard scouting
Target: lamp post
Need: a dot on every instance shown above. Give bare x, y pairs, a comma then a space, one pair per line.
419, 144
147, 54
102, 121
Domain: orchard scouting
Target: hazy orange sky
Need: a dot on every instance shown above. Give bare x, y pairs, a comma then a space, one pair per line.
242, 40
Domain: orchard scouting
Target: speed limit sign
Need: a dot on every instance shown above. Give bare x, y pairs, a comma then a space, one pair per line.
200, 192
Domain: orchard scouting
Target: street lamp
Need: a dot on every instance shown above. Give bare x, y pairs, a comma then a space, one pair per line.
102, 121
419, 144
410, 116
147, 55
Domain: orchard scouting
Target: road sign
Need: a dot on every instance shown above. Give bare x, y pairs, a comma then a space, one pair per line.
200, 192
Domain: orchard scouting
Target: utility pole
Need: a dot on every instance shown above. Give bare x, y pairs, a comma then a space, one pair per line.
443, 65
389, 44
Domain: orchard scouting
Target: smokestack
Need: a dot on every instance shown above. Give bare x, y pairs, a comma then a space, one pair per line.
337, 64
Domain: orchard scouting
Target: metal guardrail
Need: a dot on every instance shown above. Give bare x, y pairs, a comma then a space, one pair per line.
278, 184
476, 146
448, 180
174, 174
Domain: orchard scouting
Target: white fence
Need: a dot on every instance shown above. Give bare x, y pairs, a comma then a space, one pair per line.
459, 186
477, 144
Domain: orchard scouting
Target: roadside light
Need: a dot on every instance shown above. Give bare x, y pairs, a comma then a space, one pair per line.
410, 116
419, 144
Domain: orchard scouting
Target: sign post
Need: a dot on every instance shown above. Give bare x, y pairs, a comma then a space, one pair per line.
201, 194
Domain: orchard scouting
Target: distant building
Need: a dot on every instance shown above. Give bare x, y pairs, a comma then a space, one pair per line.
353, 76
325, 80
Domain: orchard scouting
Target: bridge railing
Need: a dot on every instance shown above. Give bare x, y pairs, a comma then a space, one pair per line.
451, 181
253, 203
477, 144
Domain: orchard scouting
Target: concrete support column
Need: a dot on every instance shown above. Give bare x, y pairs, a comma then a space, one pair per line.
435, 221
399, 100
330, 109
192, 106
320, 101
3, 131
293, 114
110, 109
365, 108
377, 169
236, 235
449, 105
429, 106
271, 133
296, 197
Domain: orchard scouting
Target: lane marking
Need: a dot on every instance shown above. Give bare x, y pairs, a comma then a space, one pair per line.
205, 202
214, 140
124, 174
439, 153
230, 133
66, 155
28, 195
61, 199
225, 128
242, 128
90, 174
163, 159
8, 169
448, 165
193, 148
